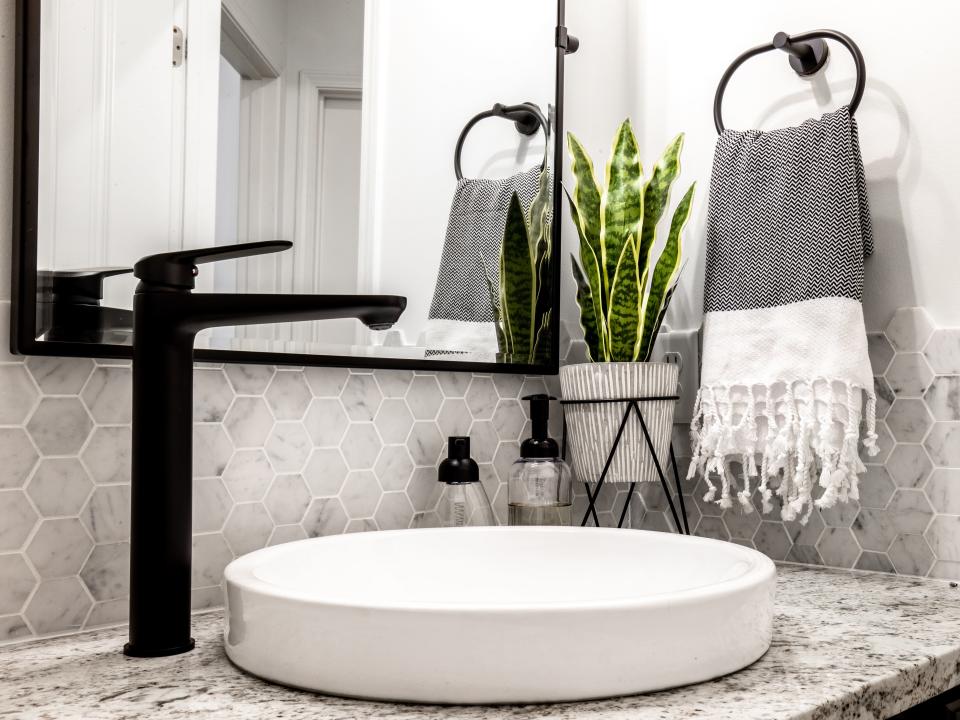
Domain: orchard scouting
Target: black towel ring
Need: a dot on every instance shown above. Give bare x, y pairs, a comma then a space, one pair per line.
808, 54
527, 117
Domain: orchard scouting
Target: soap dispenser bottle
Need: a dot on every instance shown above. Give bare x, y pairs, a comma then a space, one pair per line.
541, 488
464, 502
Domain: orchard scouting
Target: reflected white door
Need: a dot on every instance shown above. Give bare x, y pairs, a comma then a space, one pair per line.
112, 135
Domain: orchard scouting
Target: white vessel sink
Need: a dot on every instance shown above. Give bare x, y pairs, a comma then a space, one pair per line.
498, 615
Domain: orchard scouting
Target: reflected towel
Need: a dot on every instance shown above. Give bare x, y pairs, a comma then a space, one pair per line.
461, 315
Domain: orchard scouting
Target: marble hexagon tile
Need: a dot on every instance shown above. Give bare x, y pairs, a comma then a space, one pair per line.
280, 454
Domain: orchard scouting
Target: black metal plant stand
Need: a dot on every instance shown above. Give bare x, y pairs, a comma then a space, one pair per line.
633, 405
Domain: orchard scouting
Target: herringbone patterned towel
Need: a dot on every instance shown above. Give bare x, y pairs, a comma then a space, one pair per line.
785, 365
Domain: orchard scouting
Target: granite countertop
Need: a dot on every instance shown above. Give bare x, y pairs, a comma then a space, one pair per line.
846, 645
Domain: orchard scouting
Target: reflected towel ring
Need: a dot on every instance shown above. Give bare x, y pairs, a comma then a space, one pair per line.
808, 54
527, 117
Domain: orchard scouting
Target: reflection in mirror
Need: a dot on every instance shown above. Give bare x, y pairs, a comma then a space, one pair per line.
386, 139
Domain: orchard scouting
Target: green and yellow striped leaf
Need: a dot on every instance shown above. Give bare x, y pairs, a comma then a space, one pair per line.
542, 344
664, 273
656, 326
540, 212
586, 198
622, 203
624, 319
507, 334
592, 329
656, 196
517, 280
494, 291
592, 277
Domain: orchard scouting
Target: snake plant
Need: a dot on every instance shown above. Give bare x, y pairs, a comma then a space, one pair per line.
622, 298
522, 300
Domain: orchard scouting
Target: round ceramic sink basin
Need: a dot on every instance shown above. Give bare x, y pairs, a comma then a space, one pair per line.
498, 615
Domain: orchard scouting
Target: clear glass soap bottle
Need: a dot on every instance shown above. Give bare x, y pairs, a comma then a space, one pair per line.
464, 502
541, 489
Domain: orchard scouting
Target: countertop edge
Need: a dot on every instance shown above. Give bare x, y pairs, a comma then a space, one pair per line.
885, 698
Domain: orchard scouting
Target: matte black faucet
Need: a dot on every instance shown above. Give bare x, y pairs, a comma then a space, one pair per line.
167, 317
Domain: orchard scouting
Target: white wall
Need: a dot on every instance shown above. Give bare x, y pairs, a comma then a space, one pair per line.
598, 97
325, 35
907, 122
431, 66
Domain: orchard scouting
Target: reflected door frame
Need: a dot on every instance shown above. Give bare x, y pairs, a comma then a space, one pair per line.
316, 88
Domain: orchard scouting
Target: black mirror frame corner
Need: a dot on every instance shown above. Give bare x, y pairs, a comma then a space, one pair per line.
23, 321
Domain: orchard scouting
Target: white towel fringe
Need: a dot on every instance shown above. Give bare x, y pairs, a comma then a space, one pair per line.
804, 434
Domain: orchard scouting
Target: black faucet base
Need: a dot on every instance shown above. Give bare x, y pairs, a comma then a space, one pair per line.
131, 651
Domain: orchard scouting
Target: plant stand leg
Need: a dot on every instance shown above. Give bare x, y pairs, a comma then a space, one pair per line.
656, 463
613, 451
626, 504
676, 477
591, 508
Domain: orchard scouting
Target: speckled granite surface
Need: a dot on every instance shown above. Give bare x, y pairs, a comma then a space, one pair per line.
847, 645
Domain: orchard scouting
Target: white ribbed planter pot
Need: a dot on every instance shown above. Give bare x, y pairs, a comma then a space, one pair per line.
592, 428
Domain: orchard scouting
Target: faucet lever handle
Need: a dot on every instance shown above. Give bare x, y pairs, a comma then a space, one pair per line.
178, 269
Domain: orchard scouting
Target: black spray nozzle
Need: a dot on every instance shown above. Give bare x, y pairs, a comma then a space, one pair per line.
540, 445
459, 467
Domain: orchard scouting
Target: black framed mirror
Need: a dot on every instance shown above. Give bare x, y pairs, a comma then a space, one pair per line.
386, 139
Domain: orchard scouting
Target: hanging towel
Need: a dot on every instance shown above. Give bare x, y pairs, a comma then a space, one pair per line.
461, 315
786, 385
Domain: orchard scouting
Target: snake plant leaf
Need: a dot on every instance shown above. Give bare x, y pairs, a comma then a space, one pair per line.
544, 297
664, 272
540, 212
518, 280
506, 347
493, 289
586, 198
625, 300
663, 312
590, 273
656, 195
541, 240
589, 322
544, 279
542, 342
622, 203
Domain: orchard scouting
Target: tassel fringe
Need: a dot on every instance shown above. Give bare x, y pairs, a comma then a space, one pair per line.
802, 435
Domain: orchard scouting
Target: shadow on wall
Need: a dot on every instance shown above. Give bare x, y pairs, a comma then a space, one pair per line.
890, 279
528, 151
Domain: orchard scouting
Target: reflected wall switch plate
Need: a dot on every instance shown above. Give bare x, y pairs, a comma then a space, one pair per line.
681, 347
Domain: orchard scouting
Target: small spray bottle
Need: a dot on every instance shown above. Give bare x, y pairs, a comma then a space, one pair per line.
541, 488
464, 501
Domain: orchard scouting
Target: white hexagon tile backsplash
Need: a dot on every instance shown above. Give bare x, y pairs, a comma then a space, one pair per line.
279, 454
284, 453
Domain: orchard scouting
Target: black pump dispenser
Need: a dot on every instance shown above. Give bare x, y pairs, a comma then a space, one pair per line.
540, 445
459, 467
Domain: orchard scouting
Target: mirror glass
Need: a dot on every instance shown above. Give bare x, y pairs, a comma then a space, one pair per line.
167, 125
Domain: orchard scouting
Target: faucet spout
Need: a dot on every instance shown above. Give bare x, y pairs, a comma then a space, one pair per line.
202, 310
167, 317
